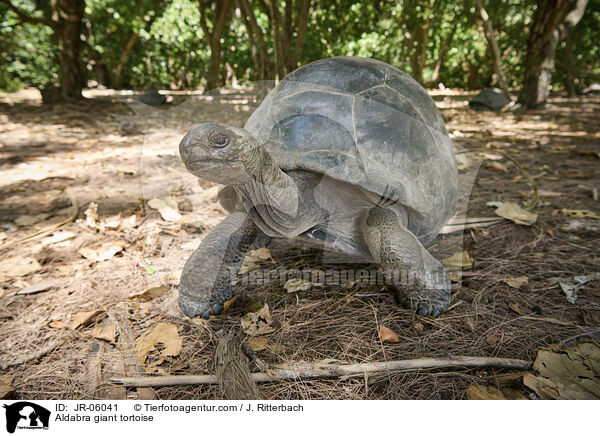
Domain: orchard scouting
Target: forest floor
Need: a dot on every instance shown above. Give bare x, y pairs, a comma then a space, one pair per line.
85, 285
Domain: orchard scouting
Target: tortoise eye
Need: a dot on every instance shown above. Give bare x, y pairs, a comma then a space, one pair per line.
219, 141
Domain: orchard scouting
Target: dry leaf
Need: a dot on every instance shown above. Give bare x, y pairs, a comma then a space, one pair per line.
497, 166
258, 323
253, 257
129, 222
58, 237
107, 333
149, 294
58, 324
570, 291
569, 373
91, 216
580, 213
571, 288
104, 252
516, 213
19, 266
462, 161
455, 277
476, 392
459, 260
261, 253
82, 318
491, 156
516, 282
516, 307
248, 265
112, 223
386, 335
42, 286
165, 334
580, 225
6, 390
167, 207
295, 285
258, 343
228, 303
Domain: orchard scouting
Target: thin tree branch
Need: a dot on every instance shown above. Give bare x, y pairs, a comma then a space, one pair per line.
300, 28
26, 17
323, 370
203, 24
221, 18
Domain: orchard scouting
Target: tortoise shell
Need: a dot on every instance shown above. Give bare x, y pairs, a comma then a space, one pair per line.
366, 123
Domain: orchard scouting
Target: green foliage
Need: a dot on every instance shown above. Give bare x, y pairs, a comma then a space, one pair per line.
27, 51
160, 43
585, 47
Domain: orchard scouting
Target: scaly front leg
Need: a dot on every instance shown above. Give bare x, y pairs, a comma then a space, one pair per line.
396, 249
207, 275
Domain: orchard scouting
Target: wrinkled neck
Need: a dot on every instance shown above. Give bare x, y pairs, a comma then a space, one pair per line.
272, 193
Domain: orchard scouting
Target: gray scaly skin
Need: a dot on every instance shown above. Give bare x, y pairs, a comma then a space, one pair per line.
394, 247
207, 275
281, 205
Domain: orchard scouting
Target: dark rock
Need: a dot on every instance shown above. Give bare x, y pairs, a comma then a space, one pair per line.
153, 98
490, 99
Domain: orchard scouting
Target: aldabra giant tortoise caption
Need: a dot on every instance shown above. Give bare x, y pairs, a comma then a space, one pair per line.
347, 153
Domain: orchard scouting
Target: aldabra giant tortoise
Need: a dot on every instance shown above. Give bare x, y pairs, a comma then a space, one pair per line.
349, 152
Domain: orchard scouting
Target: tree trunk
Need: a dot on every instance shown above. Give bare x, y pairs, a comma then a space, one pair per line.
300, 29
262, 61
133, 39
444, 47
491, 39
287, 55
67, 26
417, 60
570, 66
552, 21
67, 16
278, 39
214, 77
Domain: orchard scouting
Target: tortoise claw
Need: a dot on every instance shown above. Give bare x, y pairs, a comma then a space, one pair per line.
193, 308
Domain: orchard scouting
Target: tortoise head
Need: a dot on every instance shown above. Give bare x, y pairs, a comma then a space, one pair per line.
226, 155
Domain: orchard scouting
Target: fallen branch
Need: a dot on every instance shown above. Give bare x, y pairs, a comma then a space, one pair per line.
324, 370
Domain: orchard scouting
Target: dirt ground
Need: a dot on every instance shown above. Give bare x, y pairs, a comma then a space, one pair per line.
68, 321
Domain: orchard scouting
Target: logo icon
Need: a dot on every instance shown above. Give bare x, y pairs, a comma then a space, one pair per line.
26, 415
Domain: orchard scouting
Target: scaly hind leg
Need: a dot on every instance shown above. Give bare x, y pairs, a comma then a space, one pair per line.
426, 285
207, 275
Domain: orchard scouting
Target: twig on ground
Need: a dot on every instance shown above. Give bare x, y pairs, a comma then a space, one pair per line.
590, 333
323, 370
